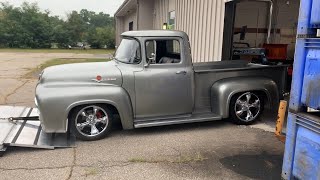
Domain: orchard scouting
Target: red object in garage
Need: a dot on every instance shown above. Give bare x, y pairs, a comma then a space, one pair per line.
276, 51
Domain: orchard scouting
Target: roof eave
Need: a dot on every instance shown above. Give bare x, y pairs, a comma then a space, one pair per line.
121, 7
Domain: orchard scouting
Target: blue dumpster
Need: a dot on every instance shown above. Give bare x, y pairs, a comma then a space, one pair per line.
302, 149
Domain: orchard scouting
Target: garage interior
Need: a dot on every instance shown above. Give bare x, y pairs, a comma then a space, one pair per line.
255, 16
264, 31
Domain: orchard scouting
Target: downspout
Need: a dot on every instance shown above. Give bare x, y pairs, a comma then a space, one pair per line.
138, 14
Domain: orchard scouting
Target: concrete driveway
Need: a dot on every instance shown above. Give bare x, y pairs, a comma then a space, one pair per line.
211, 150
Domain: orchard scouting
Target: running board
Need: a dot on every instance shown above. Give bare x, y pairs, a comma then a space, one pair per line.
177, 120
26, 131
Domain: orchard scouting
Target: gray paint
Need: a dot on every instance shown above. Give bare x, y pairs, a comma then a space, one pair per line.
153, 95
223, 90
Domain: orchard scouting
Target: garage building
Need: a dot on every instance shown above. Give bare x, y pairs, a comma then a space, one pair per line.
214, 26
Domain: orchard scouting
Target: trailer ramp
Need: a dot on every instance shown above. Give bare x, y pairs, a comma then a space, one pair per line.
25, 130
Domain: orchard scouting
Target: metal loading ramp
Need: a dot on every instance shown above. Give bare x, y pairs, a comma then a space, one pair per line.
26, 131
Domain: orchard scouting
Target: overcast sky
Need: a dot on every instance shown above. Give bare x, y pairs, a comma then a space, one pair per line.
61, 7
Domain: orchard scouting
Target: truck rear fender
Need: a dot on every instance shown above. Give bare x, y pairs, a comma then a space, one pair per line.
223, 90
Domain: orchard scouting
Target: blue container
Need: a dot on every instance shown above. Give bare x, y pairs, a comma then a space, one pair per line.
302, 150
315, 13
303, 31
306, 68
311, 79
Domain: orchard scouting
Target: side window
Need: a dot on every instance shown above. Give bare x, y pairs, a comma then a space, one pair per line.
163, 51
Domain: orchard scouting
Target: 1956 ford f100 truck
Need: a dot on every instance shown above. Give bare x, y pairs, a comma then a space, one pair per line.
152, 82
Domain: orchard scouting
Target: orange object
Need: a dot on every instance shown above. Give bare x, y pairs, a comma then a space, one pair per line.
276, 51
281, 116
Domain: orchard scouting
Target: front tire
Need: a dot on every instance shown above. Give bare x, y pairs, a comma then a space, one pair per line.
246, 108
90, 122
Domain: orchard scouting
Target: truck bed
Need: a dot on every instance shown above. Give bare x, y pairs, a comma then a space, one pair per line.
226, 65
206, 74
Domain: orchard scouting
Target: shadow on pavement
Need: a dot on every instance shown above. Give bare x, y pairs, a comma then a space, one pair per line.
257, 166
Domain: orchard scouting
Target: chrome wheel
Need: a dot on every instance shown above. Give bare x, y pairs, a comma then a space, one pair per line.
91, 121
247, 107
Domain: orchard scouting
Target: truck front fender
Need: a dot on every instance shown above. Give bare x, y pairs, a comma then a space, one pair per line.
55, 103
223, 90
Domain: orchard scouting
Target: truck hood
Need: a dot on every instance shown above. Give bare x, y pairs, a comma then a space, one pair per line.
83, 73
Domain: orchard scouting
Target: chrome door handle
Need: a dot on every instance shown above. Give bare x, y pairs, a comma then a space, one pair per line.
181, 72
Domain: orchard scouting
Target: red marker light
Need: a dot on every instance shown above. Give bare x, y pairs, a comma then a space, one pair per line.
99, 78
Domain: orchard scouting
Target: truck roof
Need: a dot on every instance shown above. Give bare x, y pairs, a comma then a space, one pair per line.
155, 33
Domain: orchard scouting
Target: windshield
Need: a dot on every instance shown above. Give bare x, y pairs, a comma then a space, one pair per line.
128, 51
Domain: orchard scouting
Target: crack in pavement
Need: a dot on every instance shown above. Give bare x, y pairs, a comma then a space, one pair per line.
12, 104
32, 169
73, 163
123, 164
14, 91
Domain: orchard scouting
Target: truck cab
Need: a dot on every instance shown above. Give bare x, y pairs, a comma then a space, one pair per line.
163, 77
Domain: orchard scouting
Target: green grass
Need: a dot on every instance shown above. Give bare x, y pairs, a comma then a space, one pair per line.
91, 172
76, 51
35, 71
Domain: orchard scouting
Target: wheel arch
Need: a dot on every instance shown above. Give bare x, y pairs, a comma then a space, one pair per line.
223, 90
114, 107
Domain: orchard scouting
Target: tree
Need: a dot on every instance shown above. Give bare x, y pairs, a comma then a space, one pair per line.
24, 27
28, 27
102, 36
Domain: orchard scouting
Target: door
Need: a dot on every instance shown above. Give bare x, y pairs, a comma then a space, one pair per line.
164, 87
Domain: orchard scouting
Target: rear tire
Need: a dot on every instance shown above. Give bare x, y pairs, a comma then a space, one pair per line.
246, 108
90, 122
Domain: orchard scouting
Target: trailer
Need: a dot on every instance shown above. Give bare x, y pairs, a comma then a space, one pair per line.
302, 149
20, 127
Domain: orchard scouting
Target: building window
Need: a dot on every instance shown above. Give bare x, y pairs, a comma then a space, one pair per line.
131, 26
172, 20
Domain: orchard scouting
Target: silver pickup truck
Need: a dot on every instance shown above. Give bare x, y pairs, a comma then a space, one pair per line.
152, 82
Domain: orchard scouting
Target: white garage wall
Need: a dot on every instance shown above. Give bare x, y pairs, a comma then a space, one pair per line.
202, 20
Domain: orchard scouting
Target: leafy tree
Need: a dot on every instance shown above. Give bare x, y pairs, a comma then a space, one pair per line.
28, 27
101, 37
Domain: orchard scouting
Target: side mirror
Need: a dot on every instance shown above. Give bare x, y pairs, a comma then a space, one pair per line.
151, 58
